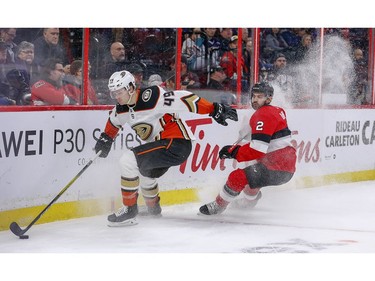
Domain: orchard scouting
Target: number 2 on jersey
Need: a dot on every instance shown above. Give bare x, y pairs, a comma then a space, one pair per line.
259, 126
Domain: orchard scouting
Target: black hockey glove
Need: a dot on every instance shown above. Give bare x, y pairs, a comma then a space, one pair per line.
222, 112
104, 144
229, 151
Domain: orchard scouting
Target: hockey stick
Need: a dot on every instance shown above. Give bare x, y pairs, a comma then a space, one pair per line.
17, 230
243, 132
240, 139
237, 142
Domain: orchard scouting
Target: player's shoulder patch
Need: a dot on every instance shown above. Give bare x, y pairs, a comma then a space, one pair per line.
146, 95
39, 84
149, 97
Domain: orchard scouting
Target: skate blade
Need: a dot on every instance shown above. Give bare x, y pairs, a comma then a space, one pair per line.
129, 222
205, 215
148, 215
243, 205
143, 212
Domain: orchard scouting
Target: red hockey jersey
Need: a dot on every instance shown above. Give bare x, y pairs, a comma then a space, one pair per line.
270, 140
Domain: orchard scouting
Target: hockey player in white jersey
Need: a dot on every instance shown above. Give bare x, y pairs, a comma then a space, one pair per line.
152, 114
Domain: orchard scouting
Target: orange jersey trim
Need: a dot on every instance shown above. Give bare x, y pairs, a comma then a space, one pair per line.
110, 129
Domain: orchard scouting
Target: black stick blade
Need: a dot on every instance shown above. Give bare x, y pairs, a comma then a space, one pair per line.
16, 229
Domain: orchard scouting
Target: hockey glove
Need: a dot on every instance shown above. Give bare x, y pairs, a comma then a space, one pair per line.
229, 151
222, 112
104, 144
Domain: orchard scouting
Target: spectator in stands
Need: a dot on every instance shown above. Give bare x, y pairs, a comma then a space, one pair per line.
67, 69
24, 74
229, 62
3, 53
48, 90
170, 82
280, 77
275, 42
221, 94
264, 61
73, 85
291, 36
7, 35
216, 78
6, 91
194, 50
245, 35
212, 46
151, 49
224, 39
189, 80
247, 48
25, 56
358, 89
115, 62
358, 54
303, 48
155, 80
47, 46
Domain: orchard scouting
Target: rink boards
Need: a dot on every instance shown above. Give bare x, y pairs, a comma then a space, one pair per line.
40, 152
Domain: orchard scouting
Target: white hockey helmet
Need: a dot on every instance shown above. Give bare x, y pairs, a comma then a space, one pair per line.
121, 79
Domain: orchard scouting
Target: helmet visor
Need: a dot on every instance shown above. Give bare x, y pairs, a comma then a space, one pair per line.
115, 94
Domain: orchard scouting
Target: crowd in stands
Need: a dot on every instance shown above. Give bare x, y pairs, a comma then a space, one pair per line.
45, 67
287, 57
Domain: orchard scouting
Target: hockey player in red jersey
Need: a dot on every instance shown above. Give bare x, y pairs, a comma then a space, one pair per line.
152, 114
270, 146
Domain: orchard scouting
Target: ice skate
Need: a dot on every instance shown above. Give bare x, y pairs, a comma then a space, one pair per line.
153, 210
125, 216
246, 202
212, 208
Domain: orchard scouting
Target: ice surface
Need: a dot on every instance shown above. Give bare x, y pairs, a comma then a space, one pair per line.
336, 222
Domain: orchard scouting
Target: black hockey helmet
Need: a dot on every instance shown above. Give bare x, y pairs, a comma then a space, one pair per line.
262, 87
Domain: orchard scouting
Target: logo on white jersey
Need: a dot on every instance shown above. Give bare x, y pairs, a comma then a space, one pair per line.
143, 130
146, 95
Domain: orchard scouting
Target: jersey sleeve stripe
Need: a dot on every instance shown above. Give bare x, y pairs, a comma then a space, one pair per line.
282, 133
191, 102
183, 129
110, 129
259, 146
261, 137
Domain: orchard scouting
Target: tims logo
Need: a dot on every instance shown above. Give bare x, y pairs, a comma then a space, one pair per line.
307, 151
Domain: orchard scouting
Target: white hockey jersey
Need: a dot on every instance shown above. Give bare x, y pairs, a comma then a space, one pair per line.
155, 114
